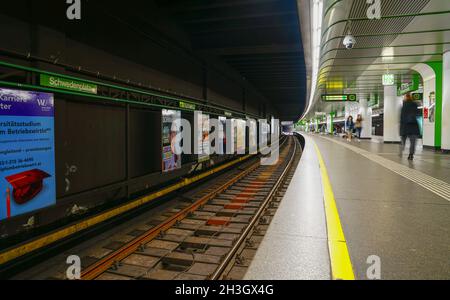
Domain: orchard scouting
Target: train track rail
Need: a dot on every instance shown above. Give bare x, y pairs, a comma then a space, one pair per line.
209, 238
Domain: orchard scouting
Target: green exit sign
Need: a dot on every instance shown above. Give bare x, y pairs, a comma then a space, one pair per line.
388, 79
186, 105
417, 96
337, 98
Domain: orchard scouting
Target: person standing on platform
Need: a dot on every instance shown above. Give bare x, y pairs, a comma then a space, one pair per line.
409, 128
349, 125
358, 126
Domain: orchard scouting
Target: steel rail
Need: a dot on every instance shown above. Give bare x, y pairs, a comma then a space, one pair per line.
101, 266
232, 253
105, 263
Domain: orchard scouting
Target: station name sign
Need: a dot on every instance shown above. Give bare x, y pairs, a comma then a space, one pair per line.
67, 84
340, 97
187, 105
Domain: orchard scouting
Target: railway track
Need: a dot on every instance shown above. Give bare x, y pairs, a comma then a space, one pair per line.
212, 238
210, 231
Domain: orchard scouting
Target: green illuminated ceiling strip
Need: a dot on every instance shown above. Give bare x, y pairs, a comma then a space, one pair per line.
359, 71
379, 56
2, 63
431, 13
382, 46
326, 85
350, 88
374, 86
369, 80
29, 69
350, 83
353, 89
384, 34
369, 75
364, 70
326, 77
54, 90
374, 64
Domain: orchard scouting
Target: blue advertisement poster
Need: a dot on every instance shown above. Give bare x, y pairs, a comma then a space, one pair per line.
27, 164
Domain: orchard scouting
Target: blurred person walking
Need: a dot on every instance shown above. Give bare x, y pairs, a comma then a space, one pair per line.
409, 128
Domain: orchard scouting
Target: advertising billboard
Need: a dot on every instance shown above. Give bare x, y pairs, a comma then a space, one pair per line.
203, 136
170, 127
252, 136
222, 135
240, 136
27, 152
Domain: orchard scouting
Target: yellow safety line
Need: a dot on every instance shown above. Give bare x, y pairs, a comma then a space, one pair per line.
341, 265
67, 231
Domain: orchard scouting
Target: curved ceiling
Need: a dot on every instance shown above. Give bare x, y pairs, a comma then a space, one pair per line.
404, 36
261, 39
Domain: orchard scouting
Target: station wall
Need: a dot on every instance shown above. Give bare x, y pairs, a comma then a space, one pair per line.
108, 152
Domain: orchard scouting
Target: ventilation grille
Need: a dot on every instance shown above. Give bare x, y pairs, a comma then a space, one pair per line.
382, 26
376, 28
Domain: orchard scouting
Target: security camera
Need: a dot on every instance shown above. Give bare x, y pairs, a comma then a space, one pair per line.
349, 41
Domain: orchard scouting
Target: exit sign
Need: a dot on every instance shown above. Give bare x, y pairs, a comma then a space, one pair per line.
337, 98
186, 105
417, 96
388, 79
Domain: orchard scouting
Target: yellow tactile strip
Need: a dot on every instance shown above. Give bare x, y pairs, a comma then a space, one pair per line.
341, 265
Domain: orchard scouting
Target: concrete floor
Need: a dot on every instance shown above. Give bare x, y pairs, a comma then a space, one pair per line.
382, 213
295, 245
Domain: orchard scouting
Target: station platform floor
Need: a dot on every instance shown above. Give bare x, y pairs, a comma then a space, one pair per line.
355, 206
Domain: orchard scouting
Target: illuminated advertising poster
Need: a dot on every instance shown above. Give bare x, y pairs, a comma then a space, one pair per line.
27, 152
240, 136
170, 160
252, 135
264, 134
203, 137
235, 134
222, 135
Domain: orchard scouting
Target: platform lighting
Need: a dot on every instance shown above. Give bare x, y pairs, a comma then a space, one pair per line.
317, 13
387, 54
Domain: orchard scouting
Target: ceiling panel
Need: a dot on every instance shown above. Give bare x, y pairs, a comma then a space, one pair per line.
259, 39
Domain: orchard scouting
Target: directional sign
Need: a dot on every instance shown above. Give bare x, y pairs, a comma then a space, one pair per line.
417, 96
388, 79
341, 97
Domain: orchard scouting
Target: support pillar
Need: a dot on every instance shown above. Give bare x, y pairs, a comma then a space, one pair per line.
330, 123
366, 114
445, 141
392, 109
